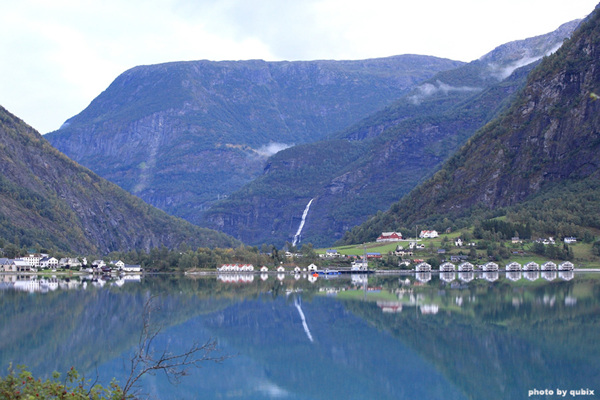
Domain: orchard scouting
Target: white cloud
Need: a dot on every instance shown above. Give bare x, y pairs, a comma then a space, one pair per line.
272, 148
503, 72
429, 89
58, 55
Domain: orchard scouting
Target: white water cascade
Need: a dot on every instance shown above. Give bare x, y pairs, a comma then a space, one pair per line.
304, 214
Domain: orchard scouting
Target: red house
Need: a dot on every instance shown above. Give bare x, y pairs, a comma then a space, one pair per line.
390, 237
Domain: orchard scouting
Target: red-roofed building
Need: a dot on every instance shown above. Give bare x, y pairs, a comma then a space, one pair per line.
428, 234
390, 237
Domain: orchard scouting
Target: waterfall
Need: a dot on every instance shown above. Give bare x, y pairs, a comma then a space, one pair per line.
304, 214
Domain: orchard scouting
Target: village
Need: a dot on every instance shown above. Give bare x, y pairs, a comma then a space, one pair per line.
37, 262
444, 254
396, 253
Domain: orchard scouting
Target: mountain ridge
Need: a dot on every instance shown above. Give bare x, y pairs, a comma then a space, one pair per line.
182, 135
391, 152
48, 200
549, 137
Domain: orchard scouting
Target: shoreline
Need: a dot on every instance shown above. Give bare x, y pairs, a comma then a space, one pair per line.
208, 273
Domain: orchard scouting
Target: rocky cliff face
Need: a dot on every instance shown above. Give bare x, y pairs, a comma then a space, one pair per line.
183, 135
551, 134
376, 161
48, 200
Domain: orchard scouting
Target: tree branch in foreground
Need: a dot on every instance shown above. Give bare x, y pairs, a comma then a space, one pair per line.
145, 360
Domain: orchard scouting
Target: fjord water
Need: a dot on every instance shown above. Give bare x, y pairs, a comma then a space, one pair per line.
381, 337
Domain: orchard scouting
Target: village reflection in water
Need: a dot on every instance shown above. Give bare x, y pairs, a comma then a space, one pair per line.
33, 283
457, 335
407, 292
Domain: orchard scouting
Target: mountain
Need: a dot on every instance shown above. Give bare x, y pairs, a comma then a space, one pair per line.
48, 200
370, 165
182, 135
540, 158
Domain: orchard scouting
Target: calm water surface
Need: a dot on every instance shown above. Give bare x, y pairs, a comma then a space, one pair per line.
453, 336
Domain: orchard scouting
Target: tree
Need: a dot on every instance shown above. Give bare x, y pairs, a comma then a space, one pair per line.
308, 252
147, 360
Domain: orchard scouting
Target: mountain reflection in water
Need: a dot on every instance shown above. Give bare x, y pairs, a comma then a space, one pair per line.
455, 336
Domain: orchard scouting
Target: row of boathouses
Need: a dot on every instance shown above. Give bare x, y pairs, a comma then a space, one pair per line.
492, 266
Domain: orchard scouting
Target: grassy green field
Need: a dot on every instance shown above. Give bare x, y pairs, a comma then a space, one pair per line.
583, 254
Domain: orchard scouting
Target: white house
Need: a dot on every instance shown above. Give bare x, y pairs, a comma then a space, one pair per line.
566, 266
48, 263
312, 268
22, 265
264, 269
428, 234
69, 262
465, 267
549, 266
458, 242
570, 240
331, 253
547, 241
491, 266
359, 265
423, 267
7, 265
131, 268
33, 259
119, 264
447, 267
513, 266
531, 266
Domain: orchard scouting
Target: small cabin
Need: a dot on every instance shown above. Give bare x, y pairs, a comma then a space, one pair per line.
513, 266
531, 266
566, 266
423, 267
491, 266
447, 267
465, 267
549, 266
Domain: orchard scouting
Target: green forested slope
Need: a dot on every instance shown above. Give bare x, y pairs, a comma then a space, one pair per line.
538, 161
47, 200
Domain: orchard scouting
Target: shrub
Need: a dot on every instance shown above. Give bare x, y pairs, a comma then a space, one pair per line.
21, 384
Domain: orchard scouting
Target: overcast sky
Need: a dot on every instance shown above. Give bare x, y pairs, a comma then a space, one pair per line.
58, 55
